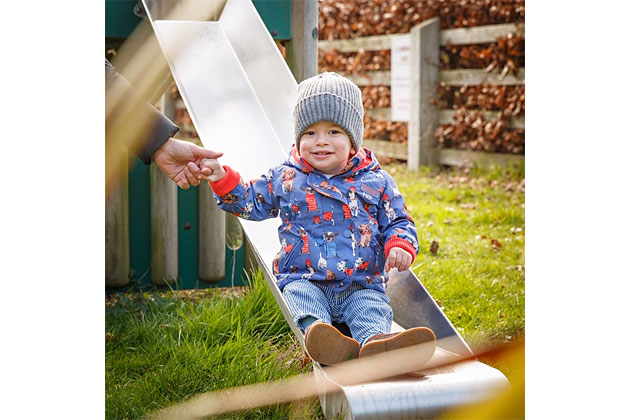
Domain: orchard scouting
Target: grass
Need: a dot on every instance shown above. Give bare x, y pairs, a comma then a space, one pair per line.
163, 348
478, 220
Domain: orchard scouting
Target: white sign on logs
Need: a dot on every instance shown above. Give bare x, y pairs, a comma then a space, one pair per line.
401, 77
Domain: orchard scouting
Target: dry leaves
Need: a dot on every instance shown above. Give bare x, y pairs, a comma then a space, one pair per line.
354, 62
505, 56
495, 243
434, 247
508, 100
470, 130
385, 130
353, 19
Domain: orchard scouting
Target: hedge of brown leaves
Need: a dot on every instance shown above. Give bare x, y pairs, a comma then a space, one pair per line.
358, 18
354, 62
469, 129
472, 131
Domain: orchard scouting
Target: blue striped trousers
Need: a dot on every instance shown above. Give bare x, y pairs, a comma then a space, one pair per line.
365, 311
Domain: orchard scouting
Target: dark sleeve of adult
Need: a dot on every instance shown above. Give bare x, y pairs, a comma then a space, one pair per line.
162, 128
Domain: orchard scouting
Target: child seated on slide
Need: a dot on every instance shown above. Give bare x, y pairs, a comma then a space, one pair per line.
344, 226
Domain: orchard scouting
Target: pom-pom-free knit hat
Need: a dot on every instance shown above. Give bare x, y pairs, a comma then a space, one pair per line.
329, 97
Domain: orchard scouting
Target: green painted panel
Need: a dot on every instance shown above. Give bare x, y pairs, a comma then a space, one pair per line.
139, 220
188, 234
120, 20
276, 14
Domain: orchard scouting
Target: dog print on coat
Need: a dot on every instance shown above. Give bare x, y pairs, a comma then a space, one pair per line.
305, 246
389, 211
309, 268
330, 244
353, 202
288, 175
276, 266
311, 201
341, 266
365, 231
328, 215
359, 264
229, 198
328, 186
286, 246
322, 264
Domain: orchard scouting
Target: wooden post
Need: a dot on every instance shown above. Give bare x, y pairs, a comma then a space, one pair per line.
164, 243
117, 264
211, 236
302, 49
425, 50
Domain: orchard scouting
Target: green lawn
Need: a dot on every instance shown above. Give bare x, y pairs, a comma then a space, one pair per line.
163, 348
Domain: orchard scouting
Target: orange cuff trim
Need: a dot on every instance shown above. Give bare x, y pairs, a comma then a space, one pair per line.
395, 241
226, 184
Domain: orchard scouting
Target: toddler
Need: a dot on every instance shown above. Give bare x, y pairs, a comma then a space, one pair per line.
344, 226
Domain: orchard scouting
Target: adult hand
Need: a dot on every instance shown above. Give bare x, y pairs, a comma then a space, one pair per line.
398, 258
180, 161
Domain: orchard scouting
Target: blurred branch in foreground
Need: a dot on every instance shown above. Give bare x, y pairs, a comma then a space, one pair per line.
506, 404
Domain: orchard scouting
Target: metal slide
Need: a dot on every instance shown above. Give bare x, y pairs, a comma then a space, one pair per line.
240, 95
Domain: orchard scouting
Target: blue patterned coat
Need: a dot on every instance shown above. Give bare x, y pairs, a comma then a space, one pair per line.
338, 229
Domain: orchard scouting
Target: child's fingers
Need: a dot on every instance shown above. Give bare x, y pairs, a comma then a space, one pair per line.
399, 259
204, 173
391, 260
406, 263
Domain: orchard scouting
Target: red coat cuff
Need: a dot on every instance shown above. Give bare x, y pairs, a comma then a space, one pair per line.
395, 241
226, 184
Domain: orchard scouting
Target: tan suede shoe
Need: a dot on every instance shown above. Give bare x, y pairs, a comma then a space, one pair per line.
326, 345
379, 343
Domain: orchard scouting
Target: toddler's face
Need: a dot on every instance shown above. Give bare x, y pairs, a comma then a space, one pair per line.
326, 147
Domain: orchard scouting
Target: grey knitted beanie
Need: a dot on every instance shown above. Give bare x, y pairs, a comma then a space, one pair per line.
329, 97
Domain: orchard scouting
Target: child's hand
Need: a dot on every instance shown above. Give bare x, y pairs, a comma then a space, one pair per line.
211, 170
398, 258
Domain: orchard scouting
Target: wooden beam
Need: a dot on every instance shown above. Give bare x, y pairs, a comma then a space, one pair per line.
117, 263
456, 36
445, 116
421, 144
450, 77
372, 78
479, 34
480, 77
366, 43
211, 236
302, 48
456, 157
386, 148
164, 239
384, 113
